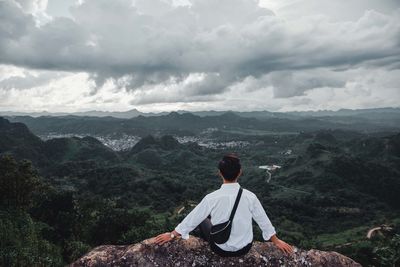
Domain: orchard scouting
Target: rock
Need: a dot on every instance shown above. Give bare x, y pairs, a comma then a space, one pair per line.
196, 252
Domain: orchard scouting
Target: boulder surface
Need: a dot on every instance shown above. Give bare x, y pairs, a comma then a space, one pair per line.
196, 252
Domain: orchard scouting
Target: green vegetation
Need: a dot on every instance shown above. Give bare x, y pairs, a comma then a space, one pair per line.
21, 241
333, 187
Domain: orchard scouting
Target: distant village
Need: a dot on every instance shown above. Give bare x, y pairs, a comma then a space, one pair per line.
126, 142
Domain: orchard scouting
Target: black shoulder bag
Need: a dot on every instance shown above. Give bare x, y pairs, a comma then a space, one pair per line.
220, 233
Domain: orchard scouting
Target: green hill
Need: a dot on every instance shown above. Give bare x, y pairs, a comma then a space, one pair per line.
333, 185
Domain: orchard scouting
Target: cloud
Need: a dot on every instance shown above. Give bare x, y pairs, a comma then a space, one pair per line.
350, 10
14, 24
72, 92
158, 52
32, 6
28, 80
194, 88
295, 83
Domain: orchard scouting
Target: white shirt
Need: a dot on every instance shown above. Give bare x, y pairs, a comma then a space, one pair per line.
219, 205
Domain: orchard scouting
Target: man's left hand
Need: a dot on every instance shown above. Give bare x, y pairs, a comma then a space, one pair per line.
163, 238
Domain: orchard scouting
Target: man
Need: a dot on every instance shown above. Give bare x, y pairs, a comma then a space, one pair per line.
218, 205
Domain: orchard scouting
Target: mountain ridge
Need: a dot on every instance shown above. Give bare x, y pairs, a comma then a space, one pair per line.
135, 113
190, 124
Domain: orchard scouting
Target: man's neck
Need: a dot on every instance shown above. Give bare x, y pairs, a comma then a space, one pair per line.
229, 182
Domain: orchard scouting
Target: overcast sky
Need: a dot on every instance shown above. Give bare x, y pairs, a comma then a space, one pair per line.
164, 55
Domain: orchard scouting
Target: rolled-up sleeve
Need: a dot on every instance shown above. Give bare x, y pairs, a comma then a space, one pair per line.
262, 219
194, 218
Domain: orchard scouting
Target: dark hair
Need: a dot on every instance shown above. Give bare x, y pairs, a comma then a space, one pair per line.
229, 167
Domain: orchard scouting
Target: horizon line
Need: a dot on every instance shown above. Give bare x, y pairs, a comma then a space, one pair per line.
193, 111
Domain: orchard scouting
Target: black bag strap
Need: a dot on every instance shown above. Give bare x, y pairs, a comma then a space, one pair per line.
236, 204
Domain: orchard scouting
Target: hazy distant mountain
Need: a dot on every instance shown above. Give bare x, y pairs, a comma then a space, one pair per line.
346, 112
135, 113
263, 114
381, 117
92, 113
185, 124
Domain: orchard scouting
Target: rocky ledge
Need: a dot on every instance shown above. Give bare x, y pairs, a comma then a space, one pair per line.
195, 252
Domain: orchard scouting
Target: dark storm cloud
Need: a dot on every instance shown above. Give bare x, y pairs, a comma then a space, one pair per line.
228, 40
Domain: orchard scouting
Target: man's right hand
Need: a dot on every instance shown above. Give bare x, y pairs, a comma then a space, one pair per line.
282, 245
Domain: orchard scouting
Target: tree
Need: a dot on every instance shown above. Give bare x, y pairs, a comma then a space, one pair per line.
21, 243
18, 180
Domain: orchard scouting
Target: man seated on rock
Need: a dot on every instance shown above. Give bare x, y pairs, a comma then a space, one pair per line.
218, 205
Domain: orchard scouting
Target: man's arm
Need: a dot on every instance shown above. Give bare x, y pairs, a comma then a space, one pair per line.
268, 231
191, 221
166, 237
282, 245
262, 219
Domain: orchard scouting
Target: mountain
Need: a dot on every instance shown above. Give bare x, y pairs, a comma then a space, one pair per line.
18, 140
331, 167
377, 147
75, 149
333, 184
263, 114
92, 113
16, 134
195, 252
189, 124
165, 142
346, 112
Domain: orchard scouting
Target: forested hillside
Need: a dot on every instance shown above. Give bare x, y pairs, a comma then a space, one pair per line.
63, 196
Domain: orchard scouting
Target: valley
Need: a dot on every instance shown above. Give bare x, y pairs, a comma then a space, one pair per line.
121, 180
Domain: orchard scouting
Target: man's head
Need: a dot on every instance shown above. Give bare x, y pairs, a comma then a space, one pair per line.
230, 167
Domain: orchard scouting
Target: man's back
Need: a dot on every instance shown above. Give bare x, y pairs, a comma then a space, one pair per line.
219, 205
